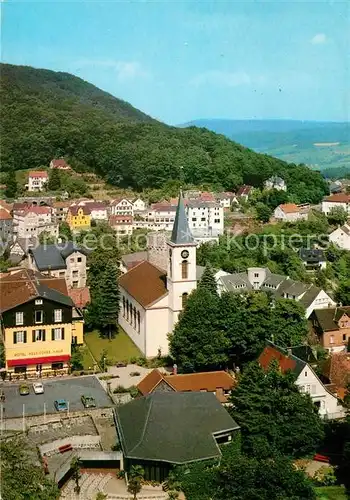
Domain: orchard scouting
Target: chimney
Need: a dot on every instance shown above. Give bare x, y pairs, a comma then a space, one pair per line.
174, 369
289, 351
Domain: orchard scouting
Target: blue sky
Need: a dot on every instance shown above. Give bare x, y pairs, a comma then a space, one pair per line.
182, 60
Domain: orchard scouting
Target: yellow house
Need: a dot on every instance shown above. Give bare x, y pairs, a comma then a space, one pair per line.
39, 323
79, 218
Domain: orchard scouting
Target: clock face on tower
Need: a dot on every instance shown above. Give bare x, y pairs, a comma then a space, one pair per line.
184, 254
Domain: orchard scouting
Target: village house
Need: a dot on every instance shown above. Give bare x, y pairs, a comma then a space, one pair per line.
205, 217
225, 199
151, 299
32, 220
62, 260
289, 212
79, 218
60, 210
332, 327
98, 209
191, 427
313, 258
37, 180
121, 206
244, 192
39, 324
138, 205
275, 182
337, 370
6, 225
121, 224
306, 380
340, 200
219, 383
341, 237
261, 278
60, 164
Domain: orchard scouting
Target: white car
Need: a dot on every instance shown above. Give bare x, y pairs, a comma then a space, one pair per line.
38, 388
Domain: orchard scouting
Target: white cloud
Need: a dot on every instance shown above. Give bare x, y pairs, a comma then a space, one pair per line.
222, 78
318, 39
125, 70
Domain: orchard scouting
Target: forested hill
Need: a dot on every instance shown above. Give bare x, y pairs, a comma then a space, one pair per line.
47, 114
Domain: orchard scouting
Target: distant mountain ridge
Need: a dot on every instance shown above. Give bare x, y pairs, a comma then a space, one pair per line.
318, 144
47, 114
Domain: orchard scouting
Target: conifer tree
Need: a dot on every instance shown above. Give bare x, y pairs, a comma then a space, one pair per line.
109, 299
208, 280
54, 183
11, 185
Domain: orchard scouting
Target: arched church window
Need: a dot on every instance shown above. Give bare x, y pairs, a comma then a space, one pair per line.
184, 298
184, 269
134, 317
127, 310
130, 313
124, 307
138, 321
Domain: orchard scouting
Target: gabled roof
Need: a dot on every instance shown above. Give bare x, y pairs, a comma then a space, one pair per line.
289, 208
54, 256
236, 282
145, 283
4, 214
338, 198
189, 382
312, 255
244, 190
286, 361
39, 173
339, 369
59, 163
176, 427
80, 296
181, 234
75, 209
25, 285
327, 319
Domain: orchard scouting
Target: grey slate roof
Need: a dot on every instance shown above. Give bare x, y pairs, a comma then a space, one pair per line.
236, 282
312, 255
173, 427
181, 234
54, 256
327, 319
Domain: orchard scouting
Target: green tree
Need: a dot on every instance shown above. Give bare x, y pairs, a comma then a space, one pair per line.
263, 212
75, 468
198, 343
65, 231
76, 360
342, 293
136, 475
21, 478
101, 496
289, 325
54, 182
11, 185
208, 280
45, 238
337, 216
109, 299
275, 418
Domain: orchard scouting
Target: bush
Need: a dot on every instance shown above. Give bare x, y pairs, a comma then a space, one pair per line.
135, 374
120, 389
325, 476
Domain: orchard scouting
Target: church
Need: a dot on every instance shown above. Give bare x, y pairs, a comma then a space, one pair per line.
151, 299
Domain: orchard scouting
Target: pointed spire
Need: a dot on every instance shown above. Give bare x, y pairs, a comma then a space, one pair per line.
181, 234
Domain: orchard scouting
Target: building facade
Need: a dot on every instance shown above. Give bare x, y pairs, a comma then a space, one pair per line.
340, 200
289, 212
341, 237
332, 327
37, 180
39, 324
122, 206
275, 182
79, 218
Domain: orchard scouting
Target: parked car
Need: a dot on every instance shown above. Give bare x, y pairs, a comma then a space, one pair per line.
88, 401
24, 390
61, 405
38, 388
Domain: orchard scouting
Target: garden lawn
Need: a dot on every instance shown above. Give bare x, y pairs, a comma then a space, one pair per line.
120, 348
88, 361
331, 493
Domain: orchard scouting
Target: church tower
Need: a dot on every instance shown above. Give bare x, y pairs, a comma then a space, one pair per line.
181, 269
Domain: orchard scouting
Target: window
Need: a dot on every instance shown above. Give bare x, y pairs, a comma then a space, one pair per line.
57, 334
38, 302
19, 318
61, 274
57, 315
331, 339
344, 337
305, 374
72, 259
20, 337
127, 310
75, 274
184, 298
184, 270
308, 389
38, 335
124, 307
75, 284
57, 366
138, 321
79, 259
20, 369
217, 221
256, 275
39, 316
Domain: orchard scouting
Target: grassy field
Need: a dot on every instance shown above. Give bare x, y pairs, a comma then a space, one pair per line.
88, 361
331, 493
121, 348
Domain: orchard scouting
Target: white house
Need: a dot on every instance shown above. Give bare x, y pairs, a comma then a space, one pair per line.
275, 182
98, 209
31, 221
205, 217
122, 206
341, 237
37, 180
340, 200
306, 380
151, 299
139, 205
122, 224
289, 212
226, 199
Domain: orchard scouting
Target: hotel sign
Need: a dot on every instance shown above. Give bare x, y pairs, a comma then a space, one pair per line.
47, 352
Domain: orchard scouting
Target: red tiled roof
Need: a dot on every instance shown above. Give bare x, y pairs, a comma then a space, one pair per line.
339, 198
120, 219
38, 173
4, 214
80, 296
207, 196
244, 190
193, 382
339, 369
269, 354
144, 283
5, 205
289, 208
59, 163
74, 209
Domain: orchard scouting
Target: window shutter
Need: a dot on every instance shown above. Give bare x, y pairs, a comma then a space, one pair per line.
25, 337
62, 334
44, 335
33, 336
53, 334
14, 338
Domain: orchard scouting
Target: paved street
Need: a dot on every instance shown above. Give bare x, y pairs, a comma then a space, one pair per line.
71, 389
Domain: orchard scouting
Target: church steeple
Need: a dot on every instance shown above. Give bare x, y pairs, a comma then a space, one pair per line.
181, 234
